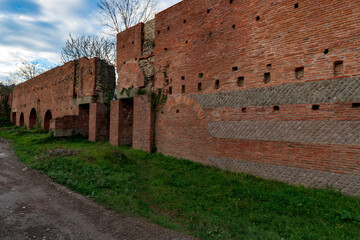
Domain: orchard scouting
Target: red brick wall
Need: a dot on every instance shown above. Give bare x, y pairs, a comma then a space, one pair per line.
143, 124
285, 37
182, 131
66, 92
121, 122
98, 122
128, 55
54, 89
242, 117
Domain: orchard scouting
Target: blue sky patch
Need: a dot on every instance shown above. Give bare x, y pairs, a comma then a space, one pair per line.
26, 7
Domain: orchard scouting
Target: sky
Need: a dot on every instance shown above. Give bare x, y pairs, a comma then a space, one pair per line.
36, 30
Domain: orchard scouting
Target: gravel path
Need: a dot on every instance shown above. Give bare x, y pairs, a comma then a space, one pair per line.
33, 207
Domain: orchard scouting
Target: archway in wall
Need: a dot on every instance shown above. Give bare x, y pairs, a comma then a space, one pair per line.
13, 118
21, 121
32, 118
47, 118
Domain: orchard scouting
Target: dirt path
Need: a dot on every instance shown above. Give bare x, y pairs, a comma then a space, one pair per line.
32, 206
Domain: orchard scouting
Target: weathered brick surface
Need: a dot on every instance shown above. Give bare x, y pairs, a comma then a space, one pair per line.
143, 124
229, 35
348, 184
129, 51
327, 91
244, 79
121, 122
298, 112
336, 132
98, 122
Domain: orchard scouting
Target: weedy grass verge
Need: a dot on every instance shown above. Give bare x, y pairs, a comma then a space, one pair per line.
182, 195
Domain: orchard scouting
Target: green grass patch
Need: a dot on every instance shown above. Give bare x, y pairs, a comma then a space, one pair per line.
182, 195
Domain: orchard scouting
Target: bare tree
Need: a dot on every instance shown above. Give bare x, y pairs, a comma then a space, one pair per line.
27, 70
118, 15
88, 46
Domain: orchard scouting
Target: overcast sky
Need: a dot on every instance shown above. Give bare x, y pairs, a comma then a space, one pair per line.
37, 29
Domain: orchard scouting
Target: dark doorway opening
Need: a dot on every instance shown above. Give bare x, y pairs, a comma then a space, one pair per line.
21, 121
48, 117
32, 118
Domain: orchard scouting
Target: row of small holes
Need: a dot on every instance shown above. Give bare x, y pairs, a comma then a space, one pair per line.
296, 5
314, 107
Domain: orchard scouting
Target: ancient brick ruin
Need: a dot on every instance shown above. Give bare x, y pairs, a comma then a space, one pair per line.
68, 99
269, 87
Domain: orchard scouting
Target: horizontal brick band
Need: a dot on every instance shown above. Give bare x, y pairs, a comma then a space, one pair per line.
327, 91
334, 132
348, 184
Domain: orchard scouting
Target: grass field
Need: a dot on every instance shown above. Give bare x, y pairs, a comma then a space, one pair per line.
203, 201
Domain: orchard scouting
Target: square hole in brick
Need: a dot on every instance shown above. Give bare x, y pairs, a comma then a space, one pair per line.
299, 72
183, 88
231, 1
184, 20
338, 68
296, 5
269, 66
356, 105
208, 11
182, 77
258, 18
315, 107
217, 84
201, 75
199, 88
170, 90
326, 51
234, 26
243, 110
276, 108
168, 28
240, 81
177, 111
267, 77
235, 68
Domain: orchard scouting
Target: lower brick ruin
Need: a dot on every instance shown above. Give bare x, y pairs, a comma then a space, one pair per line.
68, 100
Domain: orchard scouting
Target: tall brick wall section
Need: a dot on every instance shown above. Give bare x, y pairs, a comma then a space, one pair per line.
143, 124
266, 87
121, 122
98, 122
129, 52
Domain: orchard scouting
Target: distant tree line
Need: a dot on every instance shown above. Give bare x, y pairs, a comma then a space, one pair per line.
5, 110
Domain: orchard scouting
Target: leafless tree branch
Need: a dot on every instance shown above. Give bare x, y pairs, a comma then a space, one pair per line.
88, 46
119, 15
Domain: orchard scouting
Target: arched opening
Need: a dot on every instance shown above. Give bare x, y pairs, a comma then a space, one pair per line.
48, 117
21, 121
32, 118
13, 118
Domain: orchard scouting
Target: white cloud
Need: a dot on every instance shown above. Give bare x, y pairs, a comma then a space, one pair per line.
41, 35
